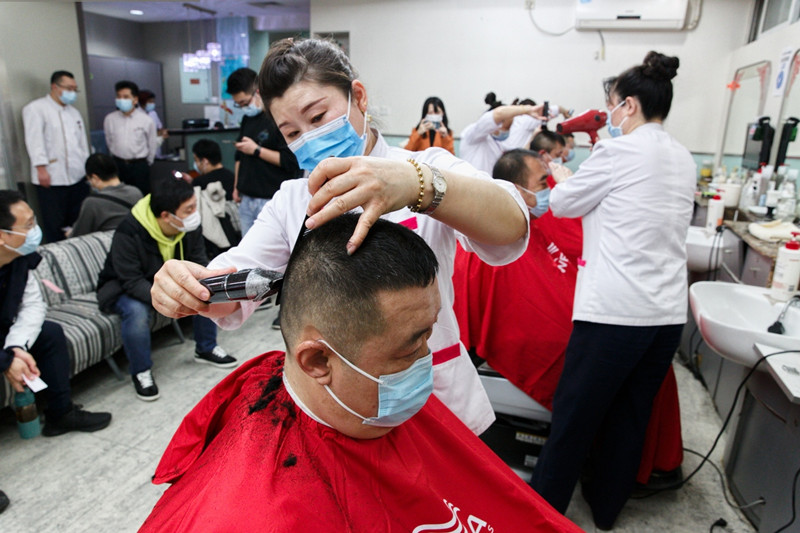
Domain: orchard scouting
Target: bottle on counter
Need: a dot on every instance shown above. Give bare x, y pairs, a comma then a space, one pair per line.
749, 194
716, 211
787, 270
706, 171
787, 200
27, 414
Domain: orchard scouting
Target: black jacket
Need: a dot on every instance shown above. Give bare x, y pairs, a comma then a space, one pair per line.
134, 260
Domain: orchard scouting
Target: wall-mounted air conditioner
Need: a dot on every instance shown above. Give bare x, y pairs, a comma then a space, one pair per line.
631, 14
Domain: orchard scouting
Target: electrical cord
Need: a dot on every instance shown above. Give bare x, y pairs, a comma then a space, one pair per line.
546, 32
721, 431
794, 505
760, 501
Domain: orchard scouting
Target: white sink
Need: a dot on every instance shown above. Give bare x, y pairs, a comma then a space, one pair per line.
698, 248
732, 317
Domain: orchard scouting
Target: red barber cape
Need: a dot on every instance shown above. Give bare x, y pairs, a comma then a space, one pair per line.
278, 470
518, 317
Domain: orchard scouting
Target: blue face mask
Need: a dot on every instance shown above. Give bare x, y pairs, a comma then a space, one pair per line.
501, 135
337, 138
569, 156
150, 107
68, 97
400, 395
251, 110
32, 240
123, 104
542, 201
615, 131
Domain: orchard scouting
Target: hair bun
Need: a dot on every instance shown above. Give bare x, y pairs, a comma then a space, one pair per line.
490, 99
660, 67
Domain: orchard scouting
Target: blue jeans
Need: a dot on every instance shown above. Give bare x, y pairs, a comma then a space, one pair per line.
136, 317
249, 208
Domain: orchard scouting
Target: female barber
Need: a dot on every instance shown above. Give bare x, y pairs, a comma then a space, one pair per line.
319, 105
635, 195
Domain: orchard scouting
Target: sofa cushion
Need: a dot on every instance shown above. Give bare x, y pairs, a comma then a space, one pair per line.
74, 265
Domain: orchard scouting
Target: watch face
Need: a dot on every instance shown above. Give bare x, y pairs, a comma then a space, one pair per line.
439, 183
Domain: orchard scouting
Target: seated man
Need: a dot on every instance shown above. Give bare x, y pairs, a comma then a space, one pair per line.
163, 225
208, 163
551, 147
342, 433
110, 200
33, 346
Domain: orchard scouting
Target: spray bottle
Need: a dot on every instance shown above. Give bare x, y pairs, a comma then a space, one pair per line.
787, 270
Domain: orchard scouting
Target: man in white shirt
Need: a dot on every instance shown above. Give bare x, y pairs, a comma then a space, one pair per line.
55, 137
131, 137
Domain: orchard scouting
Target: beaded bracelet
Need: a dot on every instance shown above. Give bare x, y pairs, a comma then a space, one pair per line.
416, 208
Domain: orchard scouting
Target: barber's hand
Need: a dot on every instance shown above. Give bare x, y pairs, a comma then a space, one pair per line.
559, 172
43, 175
246, 146
176, 292
23, 363
378, 185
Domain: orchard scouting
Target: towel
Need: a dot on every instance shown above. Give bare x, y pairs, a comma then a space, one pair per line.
212, 208
772, 231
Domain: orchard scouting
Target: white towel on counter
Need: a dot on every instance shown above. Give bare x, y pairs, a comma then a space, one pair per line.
772, 231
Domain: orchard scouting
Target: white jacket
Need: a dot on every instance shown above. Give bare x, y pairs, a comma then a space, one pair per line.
636, 196
269, 242
482, 151
55, 136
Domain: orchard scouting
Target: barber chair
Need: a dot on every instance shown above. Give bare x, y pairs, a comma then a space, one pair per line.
522, 424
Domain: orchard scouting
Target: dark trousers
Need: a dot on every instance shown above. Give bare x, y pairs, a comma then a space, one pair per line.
135, 172
601, 410
59, 207
52, 358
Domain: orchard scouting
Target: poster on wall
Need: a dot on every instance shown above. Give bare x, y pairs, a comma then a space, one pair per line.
782, 77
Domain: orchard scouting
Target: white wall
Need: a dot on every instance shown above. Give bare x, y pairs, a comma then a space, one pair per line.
111, 37
36, 39
407, 50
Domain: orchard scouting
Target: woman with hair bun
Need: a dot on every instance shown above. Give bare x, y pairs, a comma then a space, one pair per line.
635, 196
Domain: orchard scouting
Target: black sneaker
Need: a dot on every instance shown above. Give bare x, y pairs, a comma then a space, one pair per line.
76, 419
4, 501
146, 388
217, 357
276, 324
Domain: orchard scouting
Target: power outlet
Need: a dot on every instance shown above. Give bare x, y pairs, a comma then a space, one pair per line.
529, 4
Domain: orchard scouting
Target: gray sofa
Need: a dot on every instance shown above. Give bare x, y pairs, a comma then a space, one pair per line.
73, 265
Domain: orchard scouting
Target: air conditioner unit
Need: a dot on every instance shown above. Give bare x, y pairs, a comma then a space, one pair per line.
631, 14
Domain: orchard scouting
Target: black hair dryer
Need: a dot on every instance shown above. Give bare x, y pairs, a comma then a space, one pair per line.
254, 284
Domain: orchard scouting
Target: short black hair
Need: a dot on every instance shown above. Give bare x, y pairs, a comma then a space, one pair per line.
7, 199
547, 140
512, 166
145, 95
207, 149
125, 84
57, 75
241, 80
167, 193
337, 293
102, 166
650, 82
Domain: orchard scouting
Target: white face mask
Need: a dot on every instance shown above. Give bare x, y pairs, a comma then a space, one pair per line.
190, 223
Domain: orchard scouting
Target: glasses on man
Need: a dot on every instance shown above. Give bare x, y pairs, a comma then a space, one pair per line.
25, 228
239, 106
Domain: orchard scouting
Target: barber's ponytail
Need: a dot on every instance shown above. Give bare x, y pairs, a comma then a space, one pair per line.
650, 82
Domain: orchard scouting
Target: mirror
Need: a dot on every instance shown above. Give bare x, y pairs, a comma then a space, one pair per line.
748, 95
789, 110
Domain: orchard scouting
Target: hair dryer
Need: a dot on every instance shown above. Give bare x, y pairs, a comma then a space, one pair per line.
589, 122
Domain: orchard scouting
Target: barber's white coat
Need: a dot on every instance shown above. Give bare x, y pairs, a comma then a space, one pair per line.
635, 194
269, 242
482, 151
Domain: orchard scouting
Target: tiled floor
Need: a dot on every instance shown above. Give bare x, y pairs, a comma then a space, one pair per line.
100, 481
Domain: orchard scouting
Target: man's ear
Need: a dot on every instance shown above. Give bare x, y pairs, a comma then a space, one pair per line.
313, 359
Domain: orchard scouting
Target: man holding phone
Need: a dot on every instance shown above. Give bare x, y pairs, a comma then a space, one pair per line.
263, 161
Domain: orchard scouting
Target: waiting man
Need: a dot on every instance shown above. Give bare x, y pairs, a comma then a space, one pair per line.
33, 346
342, 433
163, 225
208, 163
263, 161
55, 137
548, 144
131, 137
110, 201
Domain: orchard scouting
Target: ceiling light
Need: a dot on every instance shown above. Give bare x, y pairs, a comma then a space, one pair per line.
137, 12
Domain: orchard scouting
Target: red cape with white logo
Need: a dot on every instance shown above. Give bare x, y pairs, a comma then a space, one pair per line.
276, 470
